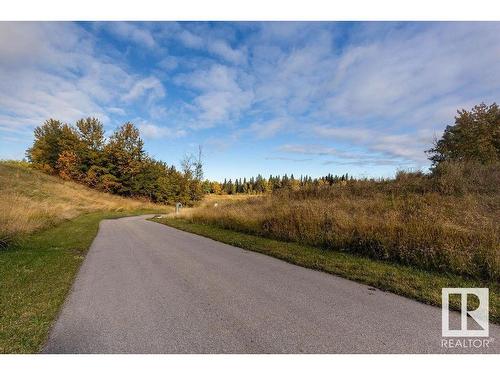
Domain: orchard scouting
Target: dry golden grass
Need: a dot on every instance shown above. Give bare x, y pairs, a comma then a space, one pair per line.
430, 230
210, 201
31, 200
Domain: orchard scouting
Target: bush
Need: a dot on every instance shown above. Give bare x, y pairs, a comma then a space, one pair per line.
452, 177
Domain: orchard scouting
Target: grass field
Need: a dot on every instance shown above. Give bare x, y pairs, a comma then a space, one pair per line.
424, 286
449, 223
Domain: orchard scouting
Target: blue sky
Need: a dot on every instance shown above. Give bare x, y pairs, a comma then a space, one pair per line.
272, 98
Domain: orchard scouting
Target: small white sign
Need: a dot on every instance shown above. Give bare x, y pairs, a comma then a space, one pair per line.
480, 315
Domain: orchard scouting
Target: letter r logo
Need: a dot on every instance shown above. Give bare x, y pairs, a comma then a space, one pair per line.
480, 315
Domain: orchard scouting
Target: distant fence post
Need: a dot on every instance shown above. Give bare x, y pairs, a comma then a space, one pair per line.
178, 207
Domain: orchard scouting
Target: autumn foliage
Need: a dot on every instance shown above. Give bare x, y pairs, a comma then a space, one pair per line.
117, 165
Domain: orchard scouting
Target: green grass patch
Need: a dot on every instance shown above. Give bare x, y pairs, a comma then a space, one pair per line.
35, 276
423, 286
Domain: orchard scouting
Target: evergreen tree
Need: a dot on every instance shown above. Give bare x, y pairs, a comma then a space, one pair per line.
236, 185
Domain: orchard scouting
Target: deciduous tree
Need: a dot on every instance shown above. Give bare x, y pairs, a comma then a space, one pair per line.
475, 136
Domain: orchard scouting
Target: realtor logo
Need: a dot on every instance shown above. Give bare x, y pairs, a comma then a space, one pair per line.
479, 315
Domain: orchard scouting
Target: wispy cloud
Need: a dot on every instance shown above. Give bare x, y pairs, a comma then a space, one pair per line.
284, 158
332, 92
131, 32
223, 49
169, 63
267, 129
384, 154
150, 86
151, 131
309, 150
207, 41
190, 39
410, 146
55, 70
219, 95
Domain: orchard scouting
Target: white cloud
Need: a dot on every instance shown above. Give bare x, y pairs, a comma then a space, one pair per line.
284, 158
132, 33
389, 91
190, 40
349, 133
116, 110
309, 150
364, 157
215, 78
203, 40
43, 44
169, 63
150, 86
53, 70
151, 131
216, 106
267, 129
409, 146
398, 73
38, 96
224, 50
220, 96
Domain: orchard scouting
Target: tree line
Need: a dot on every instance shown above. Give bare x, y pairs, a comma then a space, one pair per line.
117, 165
259, 184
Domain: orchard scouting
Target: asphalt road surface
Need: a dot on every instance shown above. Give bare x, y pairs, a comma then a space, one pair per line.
148, 288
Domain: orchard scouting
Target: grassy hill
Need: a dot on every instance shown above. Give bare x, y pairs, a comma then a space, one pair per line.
31, 200
46, 227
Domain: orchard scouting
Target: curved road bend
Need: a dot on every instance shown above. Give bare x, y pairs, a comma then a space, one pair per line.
148, 288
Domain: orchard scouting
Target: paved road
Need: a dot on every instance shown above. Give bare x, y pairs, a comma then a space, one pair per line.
148, 288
